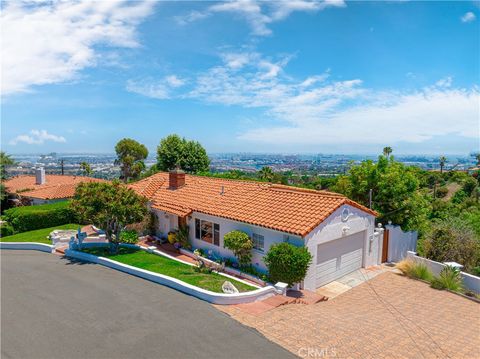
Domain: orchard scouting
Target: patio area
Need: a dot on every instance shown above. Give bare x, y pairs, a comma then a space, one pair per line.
390, 316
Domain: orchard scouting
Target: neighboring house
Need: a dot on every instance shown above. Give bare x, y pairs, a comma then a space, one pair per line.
42, 188
339, 233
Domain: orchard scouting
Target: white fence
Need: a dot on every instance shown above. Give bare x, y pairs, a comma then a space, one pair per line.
470, 281
400, 242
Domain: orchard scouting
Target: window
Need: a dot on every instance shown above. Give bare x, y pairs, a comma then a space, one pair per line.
207, 231
197, 228
258, 242
216, 234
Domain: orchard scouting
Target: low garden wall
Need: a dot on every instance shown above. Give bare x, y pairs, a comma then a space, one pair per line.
32, 246
211, 297
470, 281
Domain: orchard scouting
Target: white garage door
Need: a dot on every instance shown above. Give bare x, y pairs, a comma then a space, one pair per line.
339, 257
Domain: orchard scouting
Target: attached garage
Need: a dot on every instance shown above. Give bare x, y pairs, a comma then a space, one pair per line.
339, 257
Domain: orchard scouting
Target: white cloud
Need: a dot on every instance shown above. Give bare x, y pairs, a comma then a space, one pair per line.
320, 110
174, 81
161, 90
468, 17
37, 137
46, 42
260, 14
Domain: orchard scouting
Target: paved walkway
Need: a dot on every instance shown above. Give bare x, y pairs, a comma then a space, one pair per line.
389, 316
351, 280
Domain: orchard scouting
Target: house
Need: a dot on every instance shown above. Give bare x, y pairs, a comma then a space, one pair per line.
42, 188
339, 233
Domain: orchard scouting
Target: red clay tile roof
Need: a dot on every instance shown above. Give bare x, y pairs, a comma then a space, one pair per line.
288, 209
55, 187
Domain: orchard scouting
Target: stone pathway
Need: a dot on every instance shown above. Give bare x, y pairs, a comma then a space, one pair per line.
389, 316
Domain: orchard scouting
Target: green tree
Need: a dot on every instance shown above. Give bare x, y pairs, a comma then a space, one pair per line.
240, 244
287, 263
176, 151
266, 174
395, 189
442, 161
109, 206
85, 168
387, 151
130, 157
5, 160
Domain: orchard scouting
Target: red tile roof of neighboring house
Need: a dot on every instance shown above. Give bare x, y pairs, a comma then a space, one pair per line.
288, 209
55, 186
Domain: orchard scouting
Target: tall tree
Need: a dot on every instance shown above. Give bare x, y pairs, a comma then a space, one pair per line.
176, 151
5, 160
130, 157
442, 161
110, 206
85, 168
387, 151
266, 174
395, 191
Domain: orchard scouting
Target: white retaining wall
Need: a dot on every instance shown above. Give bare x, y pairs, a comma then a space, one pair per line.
212, 297
33, 246
400, 242
470, 281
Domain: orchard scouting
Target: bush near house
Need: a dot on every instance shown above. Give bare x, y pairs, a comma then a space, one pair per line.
287, 263
240, 244
129, 236
29, 218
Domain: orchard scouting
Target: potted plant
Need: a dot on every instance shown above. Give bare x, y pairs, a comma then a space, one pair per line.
172, 237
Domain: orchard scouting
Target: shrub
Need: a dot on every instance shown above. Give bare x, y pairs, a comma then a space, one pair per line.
287, 263
240, 244
415, 270
129, 236
442, 192
182, 237
449, 278
6, 230
29, 218
452, 239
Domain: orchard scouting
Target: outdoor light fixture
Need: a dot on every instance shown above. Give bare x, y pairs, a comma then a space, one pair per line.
345, 229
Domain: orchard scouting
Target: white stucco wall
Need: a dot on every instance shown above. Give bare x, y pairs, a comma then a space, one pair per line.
226, 225
38, 201
332, 229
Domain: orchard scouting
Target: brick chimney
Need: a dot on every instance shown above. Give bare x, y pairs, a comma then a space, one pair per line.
40, 175
176, 178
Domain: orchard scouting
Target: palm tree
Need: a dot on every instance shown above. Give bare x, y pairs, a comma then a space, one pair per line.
266, 173
5, 160
387, 151
86, 169
443, 161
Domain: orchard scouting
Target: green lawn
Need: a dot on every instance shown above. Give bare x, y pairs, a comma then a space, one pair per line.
39, 235
158, 264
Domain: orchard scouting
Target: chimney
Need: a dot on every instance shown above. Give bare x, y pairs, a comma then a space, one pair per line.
176, 178
40, 175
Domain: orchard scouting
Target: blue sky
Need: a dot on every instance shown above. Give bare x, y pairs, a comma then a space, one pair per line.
248, 76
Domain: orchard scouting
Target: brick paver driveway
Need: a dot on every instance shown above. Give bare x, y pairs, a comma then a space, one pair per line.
388, 317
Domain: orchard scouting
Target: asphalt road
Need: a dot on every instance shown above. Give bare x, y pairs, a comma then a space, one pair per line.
54, 308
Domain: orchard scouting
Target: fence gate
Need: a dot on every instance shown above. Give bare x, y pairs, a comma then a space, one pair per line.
385, 246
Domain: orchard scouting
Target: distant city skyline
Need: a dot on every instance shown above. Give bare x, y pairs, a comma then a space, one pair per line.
301, 77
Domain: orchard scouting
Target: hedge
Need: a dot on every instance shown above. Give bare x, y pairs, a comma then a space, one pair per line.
29, 218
